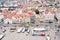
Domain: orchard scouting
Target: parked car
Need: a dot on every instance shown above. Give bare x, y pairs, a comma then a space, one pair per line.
26, 28
1, 35
38, 34
12, 29
23, 30
39, 29
28, 31
20, 29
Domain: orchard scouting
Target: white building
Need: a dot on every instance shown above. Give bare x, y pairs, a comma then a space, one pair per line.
49, 17
7, 21
1, 17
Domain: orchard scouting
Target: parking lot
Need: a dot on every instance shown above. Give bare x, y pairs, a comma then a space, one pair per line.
22, 36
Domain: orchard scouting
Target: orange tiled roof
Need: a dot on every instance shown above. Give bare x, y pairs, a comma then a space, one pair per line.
22, 15
46, 12
13, 13
9, 16
17, 16
5, 11
29, 12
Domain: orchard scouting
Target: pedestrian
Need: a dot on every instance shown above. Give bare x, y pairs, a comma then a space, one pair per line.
37, 25
27, 33
1, 27
55, 37
58, 30
48, 37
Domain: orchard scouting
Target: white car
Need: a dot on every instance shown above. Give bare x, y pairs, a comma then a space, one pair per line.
28, 31
23, 30
1, 36
39, 29
20, 30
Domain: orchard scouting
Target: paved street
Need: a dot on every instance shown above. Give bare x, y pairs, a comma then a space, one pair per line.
22, 36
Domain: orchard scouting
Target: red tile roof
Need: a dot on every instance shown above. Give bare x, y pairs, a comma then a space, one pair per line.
5, 11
